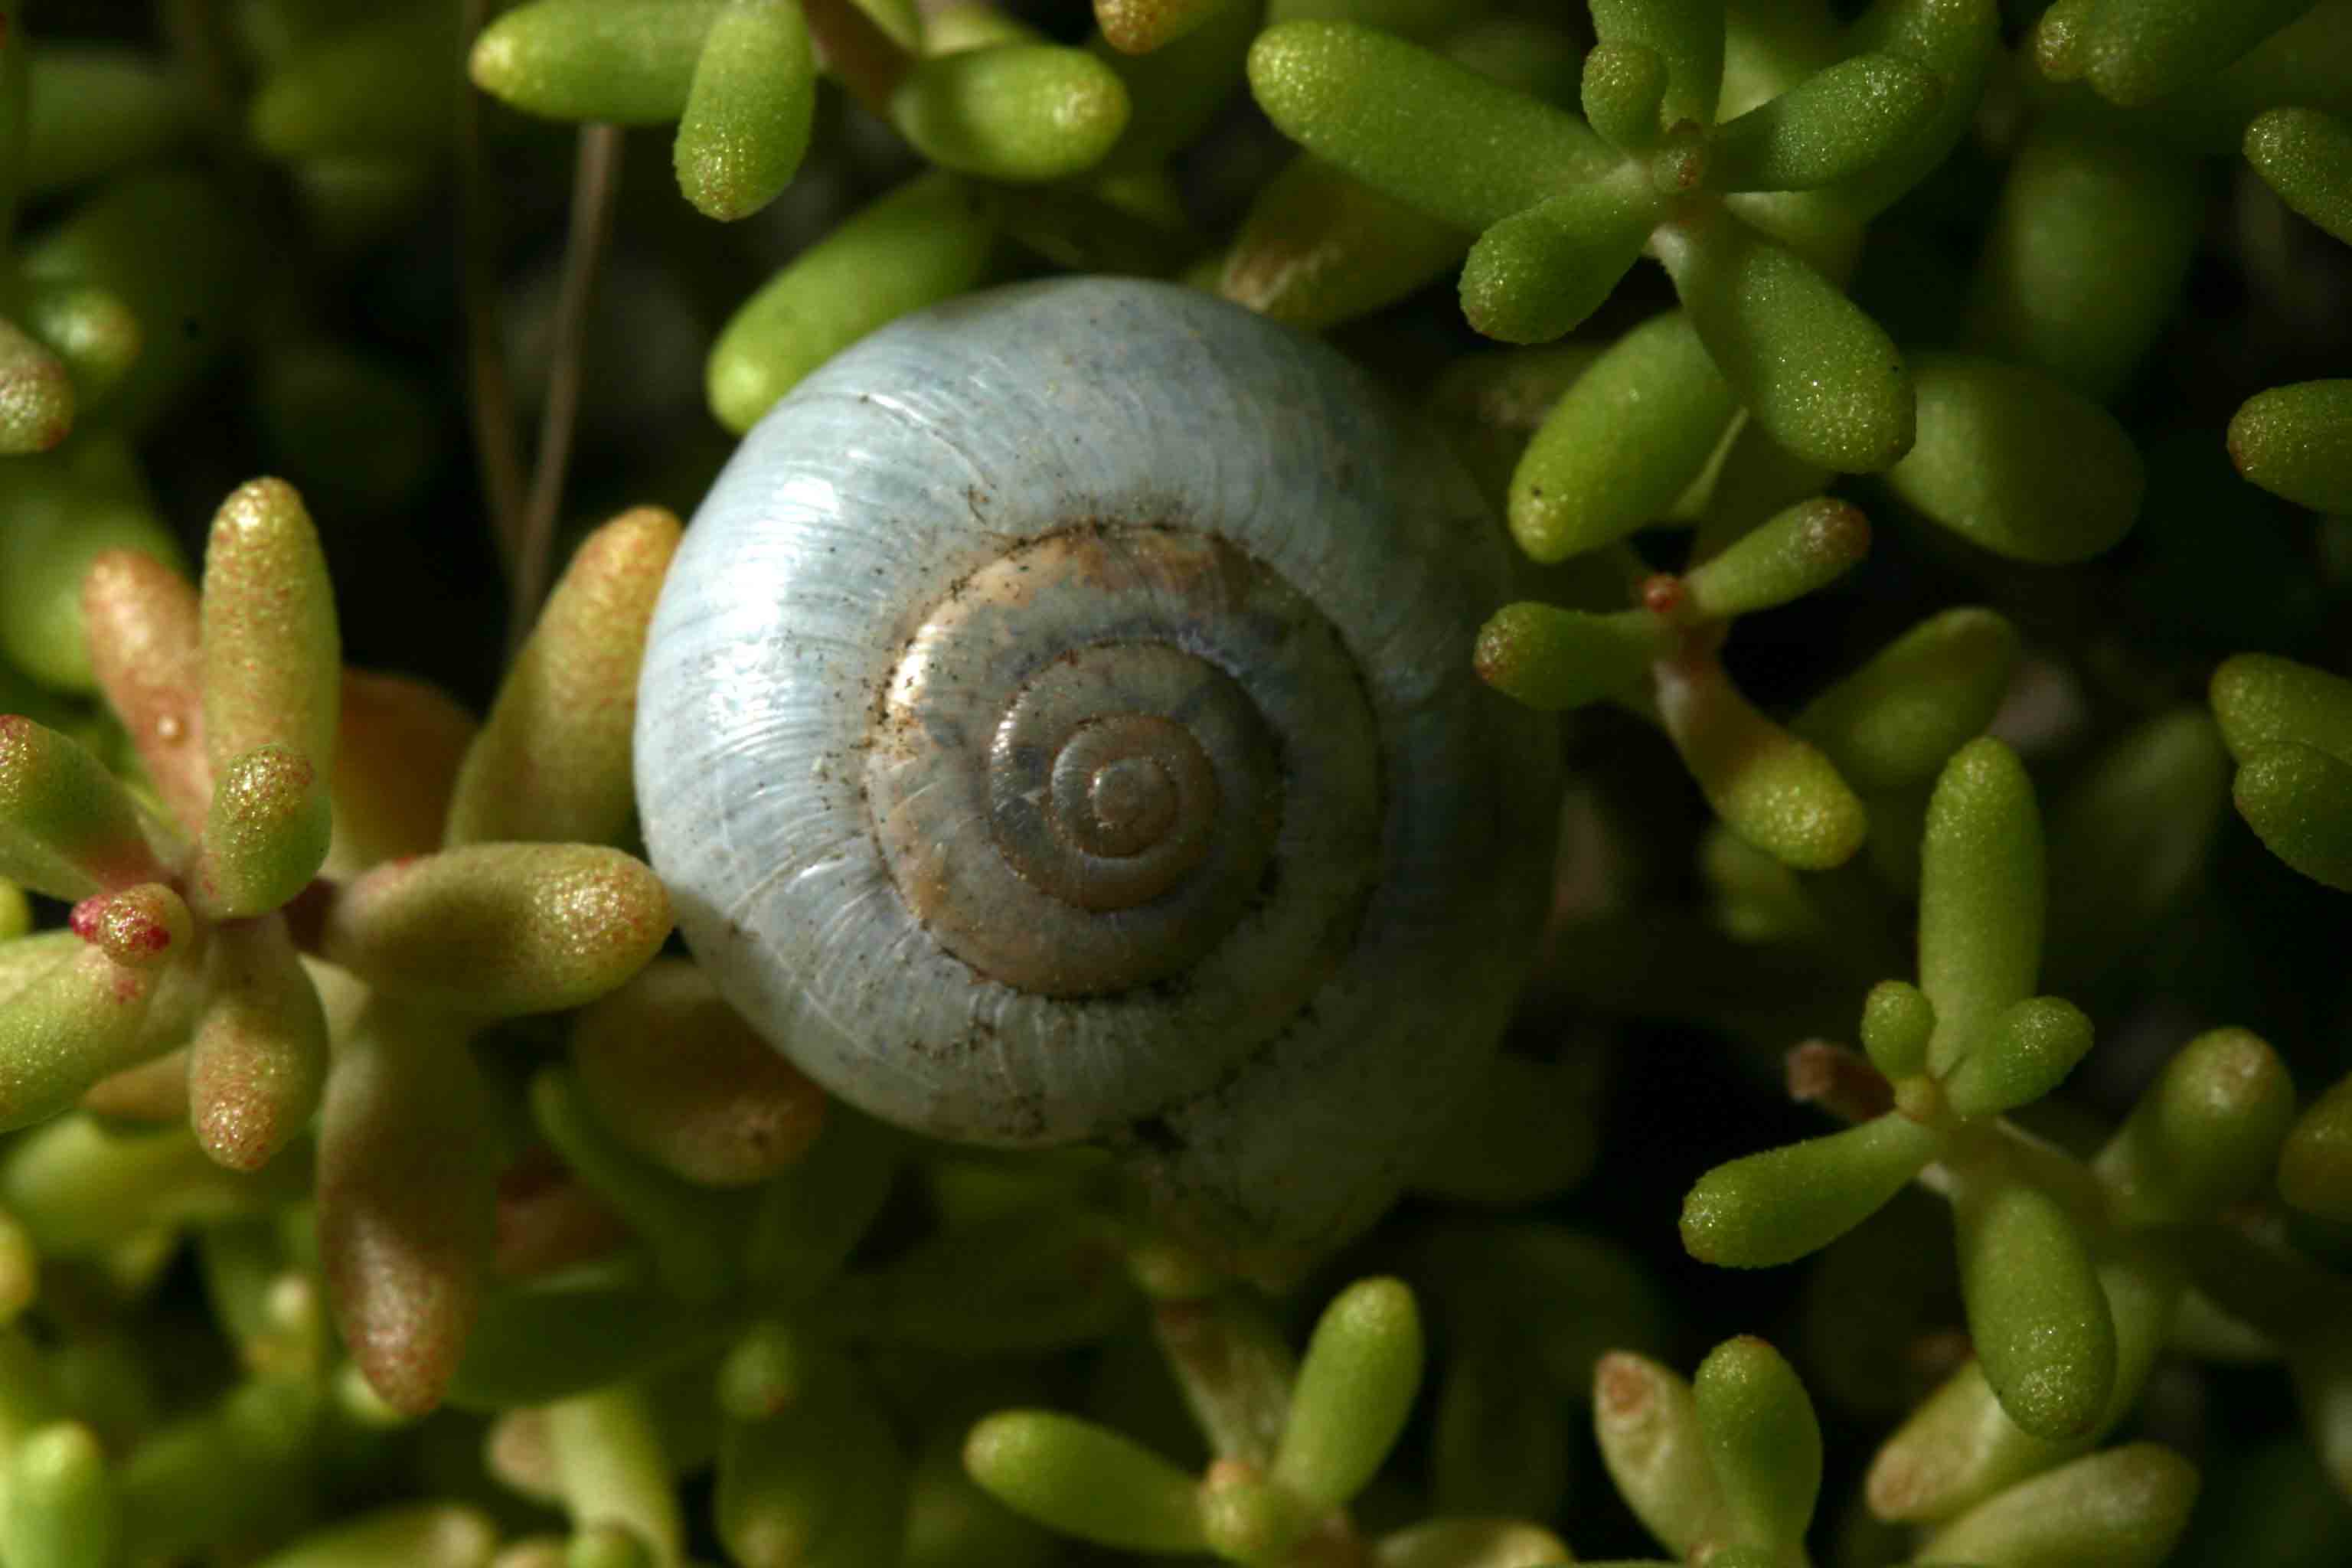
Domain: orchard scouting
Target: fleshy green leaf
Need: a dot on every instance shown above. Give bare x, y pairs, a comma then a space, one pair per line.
1803, 548
973, 24
36, 396
2128, 839
2262, 700
2305, 154
1355, 1388
93, 333
2298, 800
1897, 1021
1020, 113
415, 1535
552, 764
1980, 896
67, 827
770, 1369
2206, 1134
1469, 1543
1956, 42
404, 1199
605, 1544
1552, 659
1177, 90
1624, 439
2296, 442
1320, 246
1899, 718
1821, 376
2321, 1369
259, 1060
823, 1484
82, 1191
1248, 1518
173, 248
610, 1469
97, 108
1487, 406
64, 511
2029, 1052
1648, 1425
1776, 1206
2122, 1508
1624, 86
60, 1508
1686, 35
1406, 18
2315, 1169
2138, 51
926, 241
1763, 1439
499, 930
1139, 26
1959, 1448
746, 115
1499, 1440
1539, 272
264, 836
1838, 123
273, 656
2039, 1321
1779, 793
2087, 254
674, 1073
628, 61
2018, 462
379, 86
1436, 135
811, 1215
1085, 1480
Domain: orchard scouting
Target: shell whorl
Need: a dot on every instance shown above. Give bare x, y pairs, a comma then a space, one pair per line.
1059, 724
1101, 808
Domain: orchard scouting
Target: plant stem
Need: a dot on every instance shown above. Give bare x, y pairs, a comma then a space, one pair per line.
491, 395
866, 60
595, 180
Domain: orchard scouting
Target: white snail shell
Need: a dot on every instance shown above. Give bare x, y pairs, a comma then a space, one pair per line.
1059, 724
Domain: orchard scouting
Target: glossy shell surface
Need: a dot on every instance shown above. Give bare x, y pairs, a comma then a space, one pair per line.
1214, 552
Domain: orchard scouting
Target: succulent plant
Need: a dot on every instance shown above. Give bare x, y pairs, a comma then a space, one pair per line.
1934, 575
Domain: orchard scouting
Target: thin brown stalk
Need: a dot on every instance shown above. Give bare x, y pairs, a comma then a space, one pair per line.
595, 182
866, 60
489, 394
1844, 1083
195, 30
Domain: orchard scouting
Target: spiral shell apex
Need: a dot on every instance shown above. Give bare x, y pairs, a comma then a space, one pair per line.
1059, 725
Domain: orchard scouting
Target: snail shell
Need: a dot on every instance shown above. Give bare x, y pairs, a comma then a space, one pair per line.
1059, 725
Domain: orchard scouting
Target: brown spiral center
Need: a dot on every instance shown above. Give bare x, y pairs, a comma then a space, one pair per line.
1074, 792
